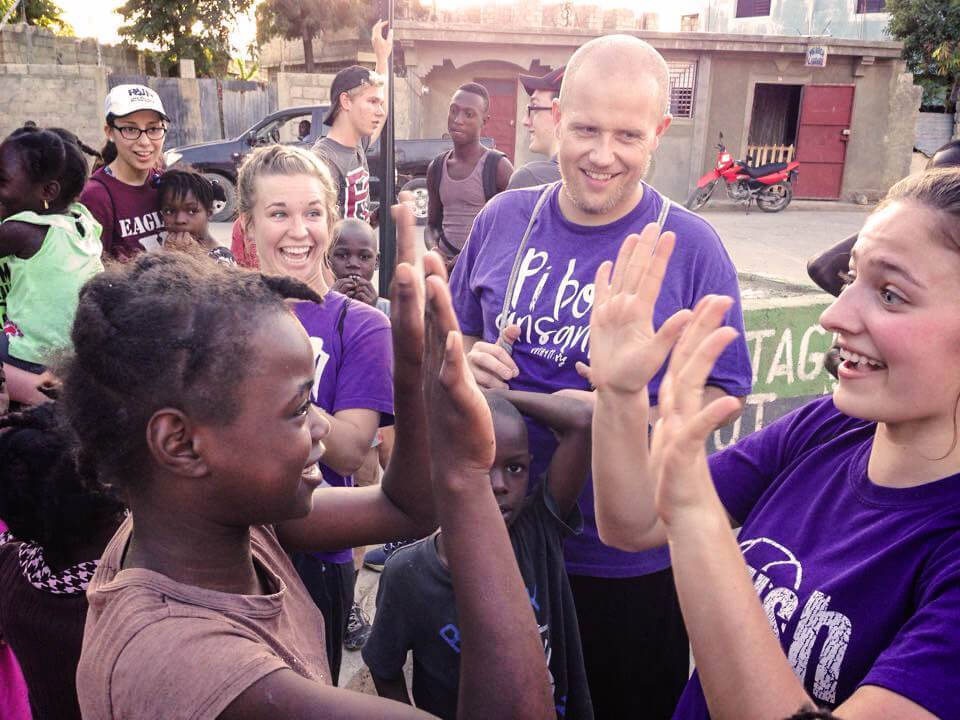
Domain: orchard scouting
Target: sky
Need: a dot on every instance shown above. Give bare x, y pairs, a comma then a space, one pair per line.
96, 18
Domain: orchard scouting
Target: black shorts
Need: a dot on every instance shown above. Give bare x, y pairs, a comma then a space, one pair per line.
635, 646
7, 359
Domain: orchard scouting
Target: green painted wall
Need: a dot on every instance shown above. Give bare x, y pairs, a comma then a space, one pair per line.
787, 347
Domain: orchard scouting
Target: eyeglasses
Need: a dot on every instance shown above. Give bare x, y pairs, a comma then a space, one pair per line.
531, 109
129, 132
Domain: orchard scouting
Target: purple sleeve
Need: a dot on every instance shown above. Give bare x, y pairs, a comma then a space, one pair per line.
94, 196
466, 302
716, 275
744, 471
365, 379
921, 663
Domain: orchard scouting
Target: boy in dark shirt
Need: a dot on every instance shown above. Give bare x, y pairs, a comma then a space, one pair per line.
415, 601
354, 257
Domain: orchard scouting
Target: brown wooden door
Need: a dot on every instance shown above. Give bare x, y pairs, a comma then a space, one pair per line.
502, 125
825, 113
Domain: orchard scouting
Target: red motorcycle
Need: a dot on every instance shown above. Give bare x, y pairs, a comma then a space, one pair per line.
770, 185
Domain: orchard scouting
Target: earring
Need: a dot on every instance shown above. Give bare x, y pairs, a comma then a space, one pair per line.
46, 205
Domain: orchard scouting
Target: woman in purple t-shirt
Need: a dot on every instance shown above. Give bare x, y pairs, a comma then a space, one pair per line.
122, 195
288, 208
849, 507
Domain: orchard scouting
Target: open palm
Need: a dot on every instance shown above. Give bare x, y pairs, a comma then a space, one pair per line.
625, 350
678, 449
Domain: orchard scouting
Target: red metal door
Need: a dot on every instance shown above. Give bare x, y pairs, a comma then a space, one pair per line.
825, 113
502, 125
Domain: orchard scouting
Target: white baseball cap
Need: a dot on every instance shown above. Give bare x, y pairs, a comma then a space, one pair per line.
126, 99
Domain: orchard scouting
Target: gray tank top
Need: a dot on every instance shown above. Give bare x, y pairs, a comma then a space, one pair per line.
462, 200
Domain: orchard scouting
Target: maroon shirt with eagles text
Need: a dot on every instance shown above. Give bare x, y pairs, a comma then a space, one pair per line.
129, 214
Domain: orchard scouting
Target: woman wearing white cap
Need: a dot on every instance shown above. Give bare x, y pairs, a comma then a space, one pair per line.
121, 195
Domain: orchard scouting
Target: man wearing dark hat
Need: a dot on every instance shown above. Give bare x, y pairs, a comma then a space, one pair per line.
543, 132
355, 119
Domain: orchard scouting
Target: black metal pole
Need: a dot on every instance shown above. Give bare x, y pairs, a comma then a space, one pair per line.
388, 238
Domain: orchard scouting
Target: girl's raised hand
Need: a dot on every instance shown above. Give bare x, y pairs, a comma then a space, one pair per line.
678, 448
461, 427
625, 351
407, 293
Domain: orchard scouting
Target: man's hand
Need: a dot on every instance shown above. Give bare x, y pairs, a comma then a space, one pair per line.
625, 352
382, 47
461, 427
491, 364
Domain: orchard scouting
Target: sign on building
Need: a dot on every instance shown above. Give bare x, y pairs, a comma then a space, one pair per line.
816, 56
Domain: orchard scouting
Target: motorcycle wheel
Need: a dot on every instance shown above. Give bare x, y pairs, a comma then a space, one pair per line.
700, 196
775, 198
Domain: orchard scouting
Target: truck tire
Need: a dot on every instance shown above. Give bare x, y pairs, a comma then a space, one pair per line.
418, 186
227, 211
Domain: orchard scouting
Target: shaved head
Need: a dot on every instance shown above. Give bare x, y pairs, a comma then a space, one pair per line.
616, 57
609, 120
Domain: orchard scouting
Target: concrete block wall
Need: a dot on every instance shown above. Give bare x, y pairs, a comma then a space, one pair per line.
302, 89
28, 45
933, 130
67, 96
618, 19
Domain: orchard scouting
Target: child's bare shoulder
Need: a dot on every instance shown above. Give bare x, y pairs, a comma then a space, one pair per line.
17, 238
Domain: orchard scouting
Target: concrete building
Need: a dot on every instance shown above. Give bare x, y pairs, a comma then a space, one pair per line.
849, 19
849, 120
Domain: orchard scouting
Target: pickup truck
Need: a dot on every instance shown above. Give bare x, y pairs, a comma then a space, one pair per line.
303, 126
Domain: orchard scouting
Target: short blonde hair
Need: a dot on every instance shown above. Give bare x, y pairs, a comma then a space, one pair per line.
284, 160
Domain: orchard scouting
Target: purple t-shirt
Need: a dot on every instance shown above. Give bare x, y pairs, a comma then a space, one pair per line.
129, 214
861, 582
353, 358
551, 302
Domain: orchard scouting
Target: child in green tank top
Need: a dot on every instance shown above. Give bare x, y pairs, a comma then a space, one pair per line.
49, 247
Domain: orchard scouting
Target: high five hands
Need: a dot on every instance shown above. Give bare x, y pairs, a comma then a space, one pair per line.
626, 352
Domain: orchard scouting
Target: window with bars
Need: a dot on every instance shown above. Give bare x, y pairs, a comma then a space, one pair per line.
754, 8
683, 78
871, 6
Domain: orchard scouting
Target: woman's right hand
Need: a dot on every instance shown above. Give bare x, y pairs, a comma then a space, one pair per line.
625, 351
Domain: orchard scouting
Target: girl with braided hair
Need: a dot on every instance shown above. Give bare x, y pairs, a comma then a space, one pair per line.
190, 391
49, 246
58, 525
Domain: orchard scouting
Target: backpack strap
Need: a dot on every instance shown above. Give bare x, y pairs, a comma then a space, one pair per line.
434, 171
664, 211
515, 271
491, 163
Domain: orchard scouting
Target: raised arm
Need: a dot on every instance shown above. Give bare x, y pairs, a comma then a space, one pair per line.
503, 671
401, 506
568, 413
742, 666
625, 353
382, 48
